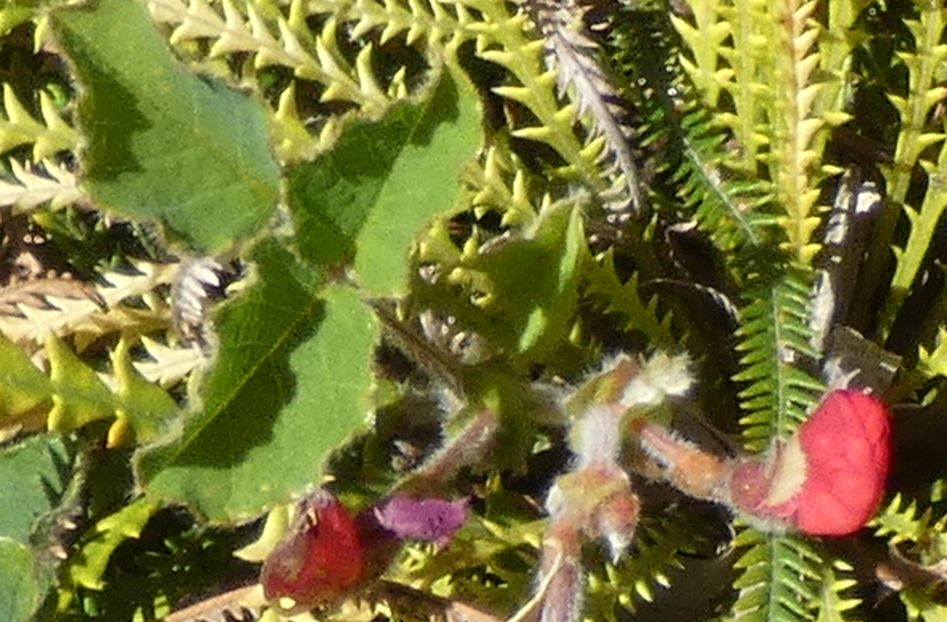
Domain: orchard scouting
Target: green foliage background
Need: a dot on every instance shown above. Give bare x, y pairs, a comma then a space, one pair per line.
419, 210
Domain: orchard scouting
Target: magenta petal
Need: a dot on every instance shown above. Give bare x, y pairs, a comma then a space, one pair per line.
429, 519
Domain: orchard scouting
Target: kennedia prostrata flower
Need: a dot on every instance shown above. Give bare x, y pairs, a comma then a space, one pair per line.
329, 552
828, 479
319, 561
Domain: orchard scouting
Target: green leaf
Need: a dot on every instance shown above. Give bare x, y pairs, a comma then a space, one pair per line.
147, 407
20, 588
520, 294
29, 484
293, 367
23, 387
79, 397
90, 564
780, 578
371, 195
163, 143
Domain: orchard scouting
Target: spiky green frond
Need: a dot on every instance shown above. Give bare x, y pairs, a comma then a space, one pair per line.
311, 41
748, 20
793, 124
705, 37
837, 596
638, 312
688, 147
19, 127
88, 566
922, 95
918, 539
916, 134
30, 186
774, 332
499, 183
579, 74
506, 39
779, 100
73, 395
781, 578
900, 521
659, 546
923, 223
933, 362
438, 24
285, 43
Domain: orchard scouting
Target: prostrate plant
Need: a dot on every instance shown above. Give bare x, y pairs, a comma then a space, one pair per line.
348, 264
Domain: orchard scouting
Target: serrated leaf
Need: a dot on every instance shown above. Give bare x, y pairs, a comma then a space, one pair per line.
22, 386
146, 405
528, 320
29, 478
79, 396
371, 195
21, 590
292, 369
539, 314
94, 555
163, 143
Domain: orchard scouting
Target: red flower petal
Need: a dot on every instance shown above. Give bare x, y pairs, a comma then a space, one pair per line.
847, 447
319, 561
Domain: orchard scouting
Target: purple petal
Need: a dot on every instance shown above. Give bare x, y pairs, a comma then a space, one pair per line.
429, 519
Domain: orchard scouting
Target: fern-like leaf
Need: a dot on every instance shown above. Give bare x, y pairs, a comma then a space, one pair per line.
92, 314
32, 186
923, 224
780, 580
835, 596
572, 54
794, 125
658, 549
774, 334
686, 146
638, 312
914, 137
48, 137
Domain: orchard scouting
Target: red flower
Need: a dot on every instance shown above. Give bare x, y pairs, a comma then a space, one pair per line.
320, 560
847, 447
828, 479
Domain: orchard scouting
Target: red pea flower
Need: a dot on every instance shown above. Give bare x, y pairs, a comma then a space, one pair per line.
319, 561
828, 479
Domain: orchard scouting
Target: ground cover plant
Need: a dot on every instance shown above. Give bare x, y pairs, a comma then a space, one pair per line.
472, 310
